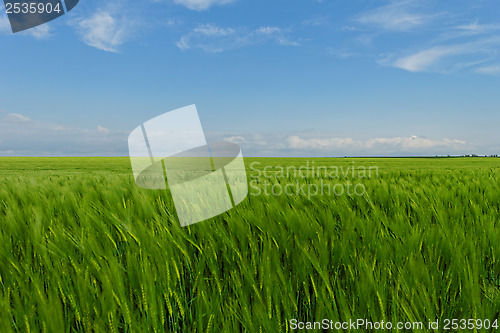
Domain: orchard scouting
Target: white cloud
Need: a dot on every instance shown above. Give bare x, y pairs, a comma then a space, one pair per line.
15, 118
349, 28
342, 53
451, 42
489, 70
39, 32
476, 28
425, 59
104, 30
396, 146
296, 142
310, 144
411, 144
103, 129
20, 135
396, 16
211, 30
268, 30
4, 22
200, 5
235, 139
213, 38
23, 136
173, 22
443, 58
317, 22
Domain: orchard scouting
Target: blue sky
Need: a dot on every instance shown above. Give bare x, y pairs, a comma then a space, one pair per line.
281, 78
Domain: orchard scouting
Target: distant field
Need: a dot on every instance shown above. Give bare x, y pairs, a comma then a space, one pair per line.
82, 248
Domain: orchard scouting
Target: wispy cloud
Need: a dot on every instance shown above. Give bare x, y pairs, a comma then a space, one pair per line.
213, 38
449, 41
388, 144
445, 58
200, 5
261, 144
476, 28
105, 29
350, 28
102, 129
342, 53
426, 59
4, 22
235, 139
321, 21
489, 70
396, 16
39, 32
21, 135
15, 118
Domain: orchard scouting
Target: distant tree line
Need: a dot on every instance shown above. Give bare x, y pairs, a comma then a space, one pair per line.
472, 155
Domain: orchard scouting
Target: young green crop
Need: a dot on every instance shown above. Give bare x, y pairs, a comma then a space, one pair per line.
82, 248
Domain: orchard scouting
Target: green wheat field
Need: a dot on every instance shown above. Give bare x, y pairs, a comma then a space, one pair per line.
83, 249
